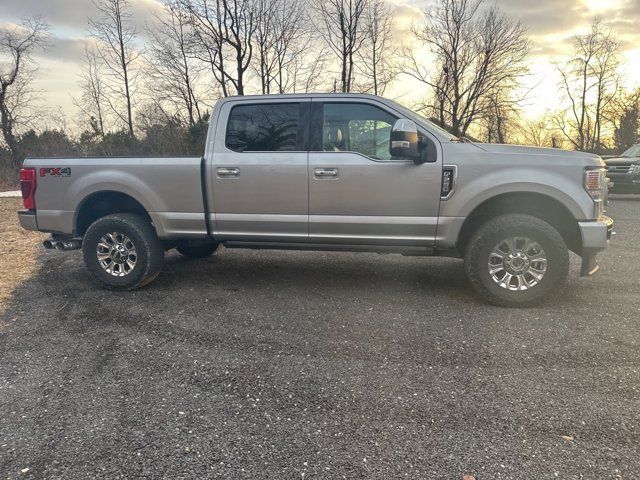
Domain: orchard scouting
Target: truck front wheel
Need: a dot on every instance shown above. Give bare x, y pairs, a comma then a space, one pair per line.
516, 260
122, 251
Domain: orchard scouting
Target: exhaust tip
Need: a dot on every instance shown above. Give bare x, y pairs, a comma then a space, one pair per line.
59, 246
47, 244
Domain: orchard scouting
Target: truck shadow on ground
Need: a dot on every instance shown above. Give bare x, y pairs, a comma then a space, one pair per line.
315, 270
273, 281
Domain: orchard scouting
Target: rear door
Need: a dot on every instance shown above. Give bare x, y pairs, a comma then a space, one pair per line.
358, 193
259, 174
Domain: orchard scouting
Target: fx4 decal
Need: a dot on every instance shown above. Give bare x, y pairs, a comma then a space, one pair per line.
55, 172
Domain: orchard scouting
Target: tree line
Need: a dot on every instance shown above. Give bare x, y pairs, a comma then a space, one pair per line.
154, 97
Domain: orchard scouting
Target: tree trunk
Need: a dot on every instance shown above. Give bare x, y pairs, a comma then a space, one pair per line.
129, 113
240, 72
125, 71
7, 133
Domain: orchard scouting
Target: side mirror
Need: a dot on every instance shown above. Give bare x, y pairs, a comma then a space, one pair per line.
405, 142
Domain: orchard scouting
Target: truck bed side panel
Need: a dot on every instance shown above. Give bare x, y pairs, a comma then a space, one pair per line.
168, 188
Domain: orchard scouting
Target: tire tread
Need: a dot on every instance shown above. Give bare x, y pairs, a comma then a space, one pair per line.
508, 222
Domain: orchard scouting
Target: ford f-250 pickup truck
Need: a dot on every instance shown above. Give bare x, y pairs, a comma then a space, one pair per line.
329, 172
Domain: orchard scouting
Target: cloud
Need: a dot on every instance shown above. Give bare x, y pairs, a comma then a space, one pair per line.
65, 49
72, 14
544, 16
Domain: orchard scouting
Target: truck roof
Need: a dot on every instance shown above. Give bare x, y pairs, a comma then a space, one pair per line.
289, 96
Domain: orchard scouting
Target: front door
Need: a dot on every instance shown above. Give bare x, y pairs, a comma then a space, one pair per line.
259, 174
358, 193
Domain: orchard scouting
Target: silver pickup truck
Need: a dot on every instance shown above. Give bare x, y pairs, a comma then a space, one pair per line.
329, 172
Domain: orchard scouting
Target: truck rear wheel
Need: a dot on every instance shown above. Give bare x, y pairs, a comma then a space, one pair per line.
197, 250
122, 251
516, 261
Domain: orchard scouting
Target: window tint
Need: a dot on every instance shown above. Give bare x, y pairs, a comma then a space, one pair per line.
357, 127
266, 127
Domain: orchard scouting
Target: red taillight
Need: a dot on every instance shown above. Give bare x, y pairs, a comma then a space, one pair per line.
28, 187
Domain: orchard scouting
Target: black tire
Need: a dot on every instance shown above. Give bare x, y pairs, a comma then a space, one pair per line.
500, 228
149, 251
197, 250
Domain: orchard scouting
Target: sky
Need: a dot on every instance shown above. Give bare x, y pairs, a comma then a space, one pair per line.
551, 25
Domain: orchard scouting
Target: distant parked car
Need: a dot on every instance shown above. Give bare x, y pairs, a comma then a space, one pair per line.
624, 171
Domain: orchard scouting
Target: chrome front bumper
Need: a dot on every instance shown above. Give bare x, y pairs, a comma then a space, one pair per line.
595, 237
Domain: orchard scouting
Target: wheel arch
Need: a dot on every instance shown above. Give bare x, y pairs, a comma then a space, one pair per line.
105, 202
538, 205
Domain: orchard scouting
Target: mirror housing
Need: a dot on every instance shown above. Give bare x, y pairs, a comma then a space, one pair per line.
405, 142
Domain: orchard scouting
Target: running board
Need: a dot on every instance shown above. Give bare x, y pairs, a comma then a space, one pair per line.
328, 247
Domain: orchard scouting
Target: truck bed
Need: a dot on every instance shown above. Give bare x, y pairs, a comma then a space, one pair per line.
169, 189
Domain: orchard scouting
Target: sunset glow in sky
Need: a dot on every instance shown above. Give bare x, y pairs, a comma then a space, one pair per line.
551, 25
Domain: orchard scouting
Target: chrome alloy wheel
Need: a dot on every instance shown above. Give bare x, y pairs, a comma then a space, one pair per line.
517, 263
117, 254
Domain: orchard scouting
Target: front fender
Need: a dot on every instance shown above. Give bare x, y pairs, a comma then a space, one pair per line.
472, 192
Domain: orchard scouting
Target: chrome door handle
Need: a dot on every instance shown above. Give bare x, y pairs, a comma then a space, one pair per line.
325, 172
228, 172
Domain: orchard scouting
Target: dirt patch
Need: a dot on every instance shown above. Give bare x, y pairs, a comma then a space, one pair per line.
18, 250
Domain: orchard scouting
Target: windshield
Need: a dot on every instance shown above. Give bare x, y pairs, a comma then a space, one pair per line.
439, 129
424, 120
632, 152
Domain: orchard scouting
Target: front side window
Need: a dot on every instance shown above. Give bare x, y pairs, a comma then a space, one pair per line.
265, 127
357, 127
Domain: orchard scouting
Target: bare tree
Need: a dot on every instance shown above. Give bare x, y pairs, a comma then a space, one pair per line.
266, 36
173, 73
91, 102
18, 43
376, 64
623, 115
206, 19
605, 72
588, 80
341, 24
477, 52
539, 132
307, 73
116, 50
282, 39
225, 30
499, 113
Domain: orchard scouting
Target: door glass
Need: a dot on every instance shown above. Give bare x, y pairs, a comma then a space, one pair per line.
265, 127
357, 127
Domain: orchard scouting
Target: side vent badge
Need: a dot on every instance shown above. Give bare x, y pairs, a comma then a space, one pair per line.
449, 176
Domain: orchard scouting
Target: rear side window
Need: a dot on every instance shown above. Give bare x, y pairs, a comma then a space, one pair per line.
265, 127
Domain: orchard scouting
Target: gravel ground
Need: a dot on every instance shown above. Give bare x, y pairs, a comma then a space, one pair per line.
291, 365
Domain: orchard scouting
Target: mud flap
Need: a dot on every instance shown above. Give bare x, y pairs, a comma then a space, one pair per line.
589, 265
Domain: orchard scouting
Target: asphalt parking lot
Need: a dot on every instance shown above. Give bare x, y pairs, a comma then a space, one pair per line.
256, 364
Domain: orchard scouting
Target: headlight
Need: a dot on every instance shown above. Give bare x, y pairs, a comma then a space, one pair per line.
635, 171
595, 184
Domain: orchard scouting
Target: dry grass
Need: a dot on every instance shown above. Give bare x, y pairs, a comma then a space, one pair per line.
18, 250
